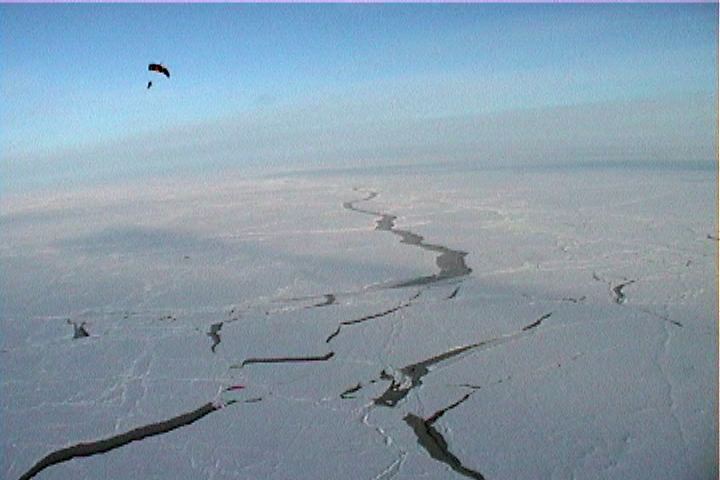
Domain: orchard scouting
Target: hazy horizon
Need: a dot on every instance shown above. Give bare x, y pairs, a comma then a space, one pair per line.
314, 86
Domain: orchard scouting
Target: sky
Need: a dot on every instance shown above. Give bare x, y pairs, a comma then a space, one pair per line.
351, 84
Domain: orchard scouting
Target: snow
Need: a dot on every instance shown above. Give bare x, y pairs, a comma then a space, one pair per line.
589, 317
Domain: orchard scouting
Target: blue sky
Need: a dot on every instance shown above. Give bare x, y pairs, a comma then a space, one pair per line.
74, 75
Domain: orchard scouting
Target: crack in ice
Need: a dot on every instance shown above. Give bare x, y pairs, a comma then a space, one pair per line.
435, 444
450, 262
117, 441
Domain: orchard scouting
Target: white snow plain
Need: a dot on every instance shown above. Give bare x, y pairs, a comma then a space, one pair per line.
583, 343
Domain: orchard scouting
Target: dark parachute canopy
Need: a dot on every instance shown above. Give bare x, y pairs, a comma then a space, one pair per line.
156, 67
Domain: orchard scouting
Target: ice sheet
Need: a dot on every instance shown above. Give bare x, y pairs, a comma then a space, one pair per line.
572, 334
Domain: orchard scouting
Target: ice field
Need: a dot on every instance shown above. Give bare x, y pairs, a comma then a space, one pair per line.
424, 322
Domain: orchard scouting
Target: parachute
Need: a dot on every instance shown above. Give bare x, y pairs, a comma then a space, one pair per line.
156, 67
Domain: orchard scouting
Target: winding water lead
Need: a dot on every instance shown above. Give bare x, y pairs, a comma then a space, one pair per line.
450, 262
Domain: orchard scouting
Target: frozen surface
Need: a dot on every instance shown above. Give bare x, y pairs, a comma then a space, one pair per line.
370, 325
